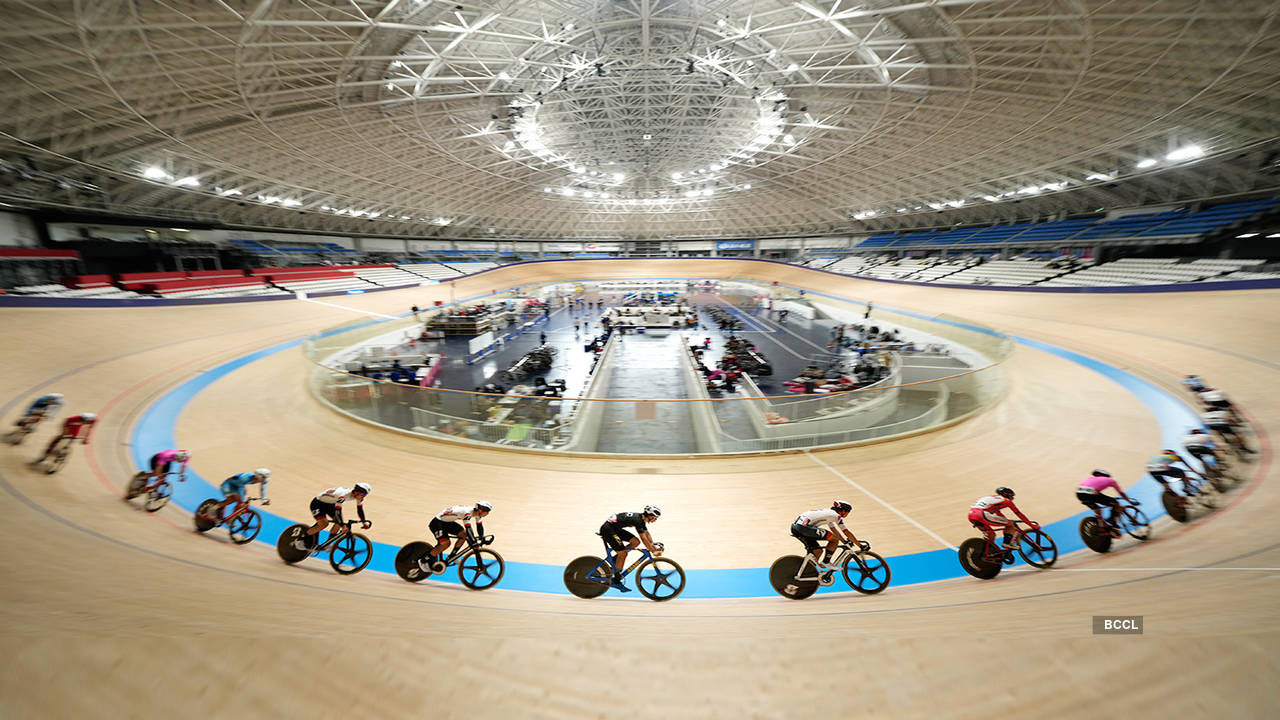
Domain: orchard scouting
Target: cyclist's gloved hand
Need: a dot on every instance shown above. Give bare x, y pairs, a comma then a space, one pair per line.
366, 524
1034, 524
864, 545
487, 540
266, 502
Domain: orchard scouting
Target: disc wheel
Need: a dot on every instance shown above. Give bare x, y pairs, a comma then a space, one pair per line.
1175, 505
869, 576
245, 527
660, 579
351, 554
1094, 537
1037, 548
581, 578
782, 576
481, 569
285, 547
408, 559
971, 559
159, 496
202, 523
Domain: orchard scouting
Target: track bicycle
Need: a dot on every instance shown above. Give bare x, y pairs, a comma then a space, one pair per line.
349, 552
798, 577
56, 457
243, 523
658, 578
158, 492
23, 428
479, 567
982, 558
1098, 533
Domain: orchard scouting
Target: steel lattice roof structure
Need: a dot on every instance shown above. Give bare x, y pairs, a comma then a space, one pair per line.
633, 119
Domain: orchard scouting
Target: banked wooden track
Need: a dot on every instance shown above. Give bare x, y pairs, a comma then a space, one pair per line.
113, 612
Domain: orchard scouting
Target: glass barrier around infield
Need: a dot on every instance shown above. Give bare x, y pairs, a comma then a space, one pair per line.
921, 387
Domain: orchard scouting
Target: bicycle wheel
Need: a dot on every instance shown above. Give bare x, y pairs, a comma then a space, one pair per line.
285, 548
1037, 548
1219, 480
587, 577
158, 497
660, 579
202, 523
245, 526
971, 559
408, 561
55, 463
782, 576
1135, 522
481, 569
351, 554
1094, 537
1175, 505
870, 572
134, 488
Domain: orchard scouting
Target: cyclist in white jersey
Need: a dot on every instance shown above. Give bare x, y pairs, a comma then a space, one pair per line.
815, 526
454, 522
1200, 445
328, 506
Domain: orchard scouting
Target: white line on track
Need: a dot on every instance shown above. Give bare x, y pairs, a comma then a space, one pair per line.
354, 310
891, 508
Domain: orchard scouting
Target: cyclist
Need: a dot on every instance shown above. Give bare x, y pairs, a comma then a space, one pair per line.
1090, 492
1200, 445
1161, 468
454, 522
234, 489
1194, 383
76, 427
614, 532
815, 526
1215, 399
328, 506
45, 406
162, 464
986, 515
1220, 422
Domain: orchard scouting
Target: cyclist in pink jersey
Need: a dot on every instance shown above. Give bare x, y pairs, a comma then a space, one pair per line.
162, 463
986, 516
1090, 492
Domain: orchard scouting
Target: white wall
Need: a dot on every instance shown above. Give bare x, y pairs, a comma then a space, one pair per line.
17, 230
382, 245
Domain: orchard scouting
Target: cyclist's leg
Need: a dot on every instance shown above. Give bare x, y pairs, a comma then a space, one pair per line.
442, 531
232, 496
320, 512
620, 558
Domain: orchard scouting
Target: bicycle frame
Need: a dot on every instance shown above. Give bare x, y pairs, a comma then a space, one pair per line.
992, 553
609, 555
810, 560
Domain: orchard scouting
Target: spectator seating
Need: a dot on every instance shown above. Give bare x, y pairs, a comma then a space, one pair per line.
387, 275
432, 271
1210, 219
1148, 271
470, 268
1127, 226
313, 279
1005, 272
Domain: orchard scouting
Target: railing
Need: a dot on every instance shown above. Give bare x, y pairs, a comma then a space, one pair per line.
917, 394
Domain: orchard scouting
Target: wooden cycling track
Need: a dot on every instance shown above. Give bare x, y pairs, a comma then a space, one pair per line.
112, 612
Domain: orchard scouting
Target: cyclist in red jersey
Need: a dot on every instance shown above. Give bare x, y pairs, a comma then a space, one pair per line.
986, 516
76, 427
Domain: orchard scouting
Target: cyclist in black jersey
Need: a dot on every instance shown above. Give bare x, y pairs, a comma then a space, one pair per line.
614, 532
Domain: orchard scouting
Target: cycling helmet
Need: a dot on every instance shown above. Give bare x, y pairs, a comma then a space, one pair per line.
1197, 431
652, 510
484, 505
1170, 453
362, 487
55, 397
841, 506
182, 456
1101, 473
88, 417
262, 473
1005, 492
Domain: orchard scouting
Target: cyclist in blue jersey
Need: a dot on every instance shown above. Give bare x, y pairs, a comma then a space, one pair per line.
45, 406
234, 490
